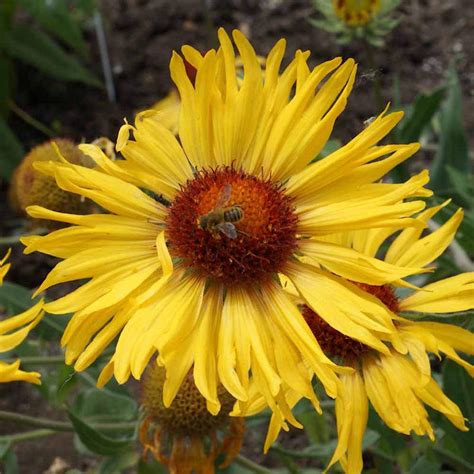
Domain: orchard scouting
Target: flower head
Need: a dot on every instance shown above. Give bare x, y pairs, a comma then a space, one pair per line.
356, 12
369, 20
183, 427
13, 331
185, 263
397, 383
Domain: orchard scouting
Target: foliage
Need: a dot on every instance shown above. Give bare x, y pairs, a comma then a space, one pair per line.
47, 36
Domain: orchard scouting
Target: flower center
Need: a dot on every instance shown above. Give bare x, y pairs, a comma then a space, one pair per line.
356, 12
188, 414
232, 226
336, 344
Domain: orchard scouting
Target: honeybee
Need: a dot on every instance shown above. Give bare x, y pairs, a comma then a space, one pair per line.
222, 218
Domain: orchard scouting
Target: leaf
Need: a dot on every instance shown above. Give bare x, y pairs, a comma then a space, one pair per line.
11, 150
96, 441
15, 298
56, 18
315, 426
66, 381
459, 387
105, 405
153, 467
8, 460
37, 49
420, 115
424, 465
117, 464
453, 148
417, 118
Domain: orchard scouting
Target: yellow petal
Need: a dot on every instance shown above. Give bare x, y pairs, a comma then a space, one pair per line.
353, 265
445, 296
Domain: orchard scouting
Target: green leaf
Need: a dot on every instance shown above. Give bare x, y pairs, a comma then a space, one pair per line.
96, 441
117, 464
153, 467
11, 150
15, 298
37, 49
315, 426
424, 465
420, 115
66, 381
8, 460
453, 148
416, 120
104, 405
459, 387
56, 18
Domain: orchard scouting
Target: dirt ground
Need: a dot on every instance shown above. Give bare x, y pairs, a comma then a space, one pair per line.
142, 34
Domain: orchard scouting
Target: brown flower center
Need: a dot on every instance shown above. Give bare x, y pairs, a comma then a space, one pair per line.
336, 344
232, 226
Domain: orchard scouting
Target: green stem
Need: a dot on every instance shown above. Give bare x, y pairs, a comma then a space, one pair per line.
253, 466
61, 425
455, 460
10, 240
34, 421
42, 360
26, 117
27, 436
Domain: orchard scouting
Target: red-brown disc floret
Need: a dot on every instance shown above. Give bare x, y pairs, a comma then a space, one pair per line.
336, 344
266, 235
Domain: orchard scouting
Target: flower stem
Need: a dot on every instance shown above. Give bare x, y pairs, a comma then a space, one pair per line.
34, 421
26, 436
253, 466
60, 425
41, 360
26, 117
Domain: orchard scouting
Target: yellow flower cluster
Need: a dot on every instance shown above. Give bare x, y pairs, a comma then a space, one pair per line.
185, 263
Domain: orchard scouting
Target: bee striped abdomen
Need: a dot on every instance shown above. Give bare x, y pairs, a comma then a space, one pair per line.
233, 214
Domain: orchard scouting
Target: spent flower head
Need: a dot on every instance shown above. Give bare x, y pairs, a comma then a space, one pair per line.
185, 436
30, 187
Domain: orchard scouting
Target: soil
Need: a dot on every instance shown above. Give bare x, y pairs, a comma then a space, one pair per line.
141, 36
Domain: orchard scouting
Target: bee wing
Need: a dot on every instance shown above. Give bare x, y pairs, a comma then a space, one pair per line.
224, 196
228, 229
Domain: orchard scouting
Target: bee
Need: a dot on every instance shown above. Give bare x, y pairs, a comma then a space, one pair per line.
222, 218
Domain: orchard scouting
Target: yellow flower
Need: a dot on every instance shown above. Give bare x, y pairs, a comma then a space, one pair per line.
168, 108
13, 331
183, 429
170, 273
356, 12
167, 111
397, 383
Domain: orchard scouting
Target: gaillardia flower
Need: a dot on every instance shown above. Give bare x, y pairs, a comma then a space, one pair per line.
398, 382
177, 435
185, 262
13, 331
356, 12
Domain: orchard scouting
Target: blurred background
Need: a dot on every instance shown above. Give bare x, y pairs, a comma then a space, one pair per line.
77, 68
